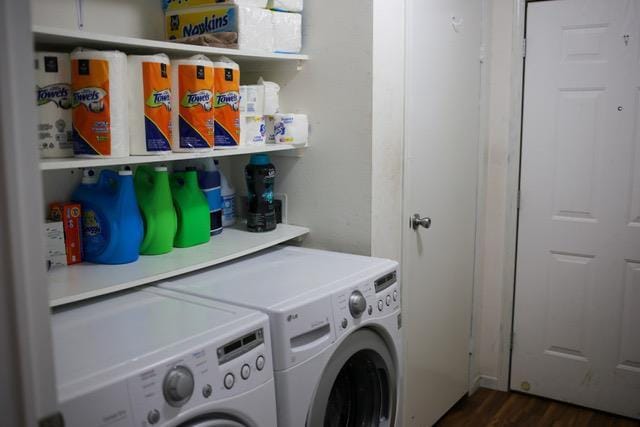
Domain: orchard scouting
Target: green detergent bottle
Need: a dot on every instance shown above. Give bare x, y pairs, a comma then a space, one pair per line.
156, 204
194, 222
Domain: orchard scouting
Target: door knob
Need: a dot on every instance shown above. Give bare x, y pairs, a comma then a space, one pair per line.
417, 222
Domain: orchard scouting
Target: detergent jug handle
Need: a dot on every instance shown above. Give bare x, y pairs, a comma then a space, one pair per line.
143, 176
108, 179
176, 181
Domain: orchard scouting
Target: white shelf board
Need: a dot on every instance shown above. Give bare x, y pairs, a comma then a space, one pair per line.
48, 37
80, 162
82, 281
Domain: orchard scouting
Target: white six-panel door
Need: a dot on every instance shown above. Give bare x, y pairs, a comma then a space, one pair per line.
577, 304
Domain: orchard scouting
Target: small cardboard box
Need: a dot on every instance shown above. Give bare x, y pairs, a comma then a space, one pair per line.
70, 215
54, 238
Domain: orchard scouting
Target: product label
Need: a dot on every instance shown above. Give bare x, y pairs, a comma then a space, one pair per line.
227, 105
213, 19
196, 120
58, 94
91, 107
94, 237
157, 105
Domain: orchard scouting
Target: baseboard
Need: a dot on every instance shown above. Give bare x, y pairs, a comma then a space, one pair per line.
486, 381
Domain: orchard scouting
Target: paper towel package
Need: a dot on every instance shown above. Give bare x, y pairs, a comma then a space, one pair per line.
100, 103
255, 29
149, 104
271, 97
252, 24
53, 100
286, 5
252, 100
185, 4
192, 95
287, 32
227, 103
292, 129
253, 130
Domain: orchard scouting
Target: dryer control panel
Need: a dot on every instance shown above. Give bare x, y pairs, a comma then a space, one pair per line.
371, 298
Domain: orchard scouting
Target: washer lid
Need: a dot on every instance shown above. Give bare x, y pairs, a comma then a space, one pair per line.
270, 278
114, 335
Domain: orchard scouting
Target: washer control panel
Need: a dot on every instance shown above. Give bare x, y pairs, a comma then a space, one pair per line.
368, 299
199, 377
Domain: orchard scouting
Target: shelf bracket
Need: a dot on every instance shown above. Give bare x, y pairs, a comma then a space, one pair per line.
299, 65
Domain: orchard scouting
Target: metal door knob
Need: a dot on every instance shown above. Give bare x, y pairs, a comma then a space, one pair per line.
417, 222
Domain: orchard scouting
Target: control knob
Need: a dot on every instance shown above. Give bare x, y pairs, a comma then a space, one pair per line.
178, 386
357, 304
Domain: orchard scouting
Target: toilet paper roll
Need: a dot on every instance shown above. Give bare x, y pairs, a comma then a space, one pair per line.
287, 32
252, 100
192, 95
271, 97
149, 104
53, 99
100, 103
292, 129
286, 5
253, 130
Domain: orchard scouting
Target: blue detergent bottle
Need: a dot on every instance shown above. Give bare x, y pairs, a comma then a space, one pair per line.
209, 182
112, 227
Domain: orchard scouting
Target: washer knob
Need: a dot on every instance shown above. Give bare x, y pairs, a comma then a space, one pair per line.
357, 304
260, 363
178, 386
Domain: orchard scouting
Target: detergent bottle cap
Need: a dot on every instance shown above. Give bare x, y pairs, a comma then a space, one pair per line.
160, 168
125, 172
260, 159
89, 176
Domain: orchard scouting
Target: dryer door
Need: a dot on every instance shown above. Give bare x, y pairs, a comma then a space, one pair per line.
358, 385
213, 420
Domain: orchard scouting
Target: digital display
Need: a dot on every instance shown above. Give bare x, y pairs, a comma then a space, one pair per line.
239, 346
385, 281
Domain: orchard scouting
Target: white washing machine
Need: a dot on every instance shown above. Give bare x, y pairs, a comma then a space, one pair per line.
335, 324
159, 358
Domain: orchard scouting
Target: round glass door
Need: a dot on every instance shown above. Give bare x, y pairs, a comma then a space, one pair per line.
358, 385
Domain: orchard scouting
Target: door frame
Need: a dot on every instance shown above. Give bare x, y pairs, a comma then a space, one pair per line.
512, 195
26, 356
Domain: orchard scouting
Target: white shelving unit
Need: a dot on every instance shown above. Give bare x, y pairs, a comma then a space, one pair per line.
79, 162
82, 281
60, 37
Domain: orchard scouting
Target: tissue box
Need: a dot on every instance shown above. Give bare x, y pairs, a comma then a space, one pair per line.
185, 4
253, 25
252, 100
54, 238
287, 32
286, 5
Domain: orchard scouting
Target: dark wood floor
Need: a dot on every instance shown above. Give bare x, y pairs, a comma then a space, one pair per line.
496, 408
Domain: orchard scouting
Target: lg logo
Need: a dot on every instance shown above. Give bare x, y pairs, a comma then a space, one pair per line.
292, 317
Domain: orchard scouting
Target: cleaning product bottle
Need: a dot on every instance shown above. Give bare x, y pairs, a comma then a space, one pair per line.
111, 223
156, 206
192, 209
228, 200
209, 181
260, 176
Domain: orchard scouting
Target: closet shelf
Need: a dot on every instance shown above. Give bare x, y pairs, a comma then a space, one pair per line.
82, 281
79, 162
50, 37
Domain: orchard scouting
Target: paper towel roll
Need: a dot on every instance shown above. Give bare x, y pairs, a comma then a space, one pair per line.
149, 104
286, 5
292, 129
253, 130
100, 103
287, 32
227, 103
192, 95
53, 98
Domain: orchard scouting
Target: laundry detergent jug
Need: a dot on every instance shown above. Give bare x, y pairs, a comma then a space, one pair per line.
192, 210
112, 227
156, 205
209, 181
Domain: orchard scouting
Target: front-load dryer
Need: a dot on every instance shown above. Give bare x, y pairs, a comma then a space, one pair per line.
335, 325
159, 358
